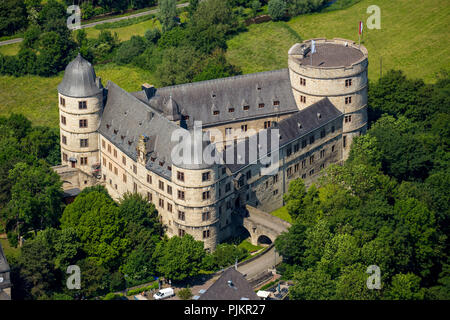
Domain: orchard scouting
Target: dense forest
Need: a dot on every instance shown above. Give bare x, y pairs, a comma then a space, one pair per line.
388, 205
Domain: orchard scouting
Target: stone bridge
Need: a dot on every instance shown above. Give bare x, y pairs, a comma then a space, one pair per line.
262, 226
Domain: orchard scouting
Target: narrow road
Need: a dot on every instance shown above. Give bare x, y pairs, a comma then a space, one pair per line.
93, 24
267, 261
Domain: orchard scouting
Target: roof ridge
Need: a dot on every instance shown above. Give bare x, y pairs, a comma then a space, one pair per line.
247, 75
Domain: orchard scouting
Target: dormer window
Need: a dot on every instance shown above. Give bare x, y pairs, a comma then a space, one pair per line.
276, 103
122, 137
185, 117
216, 112
246, 107
130, 142
231, 110
153, 159
107, 126
261, 105
115, 131
319, 116
161, 163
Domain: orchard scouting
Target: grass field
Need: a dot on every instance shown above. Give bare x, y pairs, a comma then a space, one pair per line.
248, 246
282, 214
414, 37
125, 33
8, 250
36, 97
10, 49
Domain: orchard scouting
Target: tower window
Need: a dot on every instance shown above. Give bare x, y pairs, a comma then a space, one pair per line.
302, 81
83, 160
83, 123
181, 232
63, 120
348, 82
169, 207
348, 100
180, 195
205, 216
206, 176
169, 190
84, 143
180, 176
181, 215
345, 141
149, 197
348, 118
205, 234
161, 185
206, 195
82, 105
149, 179
64, 139
124, 178
303, 99
62, 101
64, 157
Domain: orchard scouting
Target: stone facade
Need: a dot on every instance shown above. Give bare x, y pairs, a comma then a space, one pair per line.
125, 134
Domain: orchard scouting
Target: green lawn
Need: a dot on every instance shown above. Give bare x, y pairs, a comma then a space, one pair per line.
248, 246
125, 33
414, 37
8, 250
282, 213
37, 97
10, 49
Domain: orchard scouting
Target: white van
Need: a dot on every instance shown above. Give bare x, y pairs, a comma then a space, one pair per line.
164, 293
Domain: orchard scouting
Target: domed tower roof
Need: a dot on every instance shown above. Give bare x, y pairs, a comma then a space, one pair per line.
79, 79
171, 110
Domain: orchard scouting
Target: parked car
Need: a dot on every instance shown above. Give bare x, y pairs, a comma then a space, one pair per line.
164, 293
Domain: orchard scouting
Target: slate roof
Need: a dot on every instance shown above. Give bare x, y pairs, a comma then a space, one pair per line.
198, 100
297, 125
79, 79
238, 289
125, 118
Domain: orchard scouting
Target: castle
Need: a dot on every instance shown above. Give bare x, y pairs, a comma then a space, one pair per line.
123, 140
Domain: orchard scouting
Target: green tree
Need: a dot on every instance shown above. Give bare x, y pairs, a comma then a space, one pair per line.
256, 5
312, 284
277, 9
405, 287
167, 14
12, 16
179, 258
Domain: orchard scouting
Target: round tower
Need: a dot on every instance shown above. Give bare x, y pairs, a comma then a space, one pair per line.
80, 108
337, 69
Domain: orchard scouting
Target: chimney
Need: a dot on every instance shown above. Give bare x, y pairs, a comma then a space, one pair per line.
149, 90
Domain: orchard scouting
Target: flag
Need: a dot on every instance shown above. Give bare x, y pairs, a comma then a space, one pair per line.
360, 28
313, 46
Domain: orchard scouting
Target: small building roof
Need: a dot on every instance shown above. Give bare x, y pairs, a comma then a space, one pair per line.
329, 54
230, 286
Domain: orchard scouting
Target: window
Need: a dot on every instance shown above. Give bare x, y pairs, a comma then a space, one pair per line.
124, 160
149, 197
206, 176
115, 153
180, 194
311, 172
205, 234
348, 100
348, 82
64, 157
180, 176
244, 128
149, 179
169, 207
181, 215
63, 120
322, 153
231, 110
296, 147
205, 216
275, 192
261, 105
303, 163
303, 99
276, 103
275, 178
161, 185
227, 187
62, 101
246, 108
302, 82
303, 143
83, 123
206, 195
266, 124
82, 105
110, 166
134, 187
109, 148
83, 161
161, 203
311, 159
322, 133
181, 232
64, 139
345, 141
289, 171
124, 178
348, 118
115, 171
288, 151
332, 129
322, 166
104, 161
103, 143
228, 131
304, 176
169, 190
296, 167
332, 148
216, 112
134, 169
311, 140
84, 143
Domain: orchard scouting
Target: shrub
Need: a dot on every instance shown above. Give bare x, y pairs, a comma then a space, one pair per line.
185, 294
129, 50
276, 9
113, 296
153, 35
